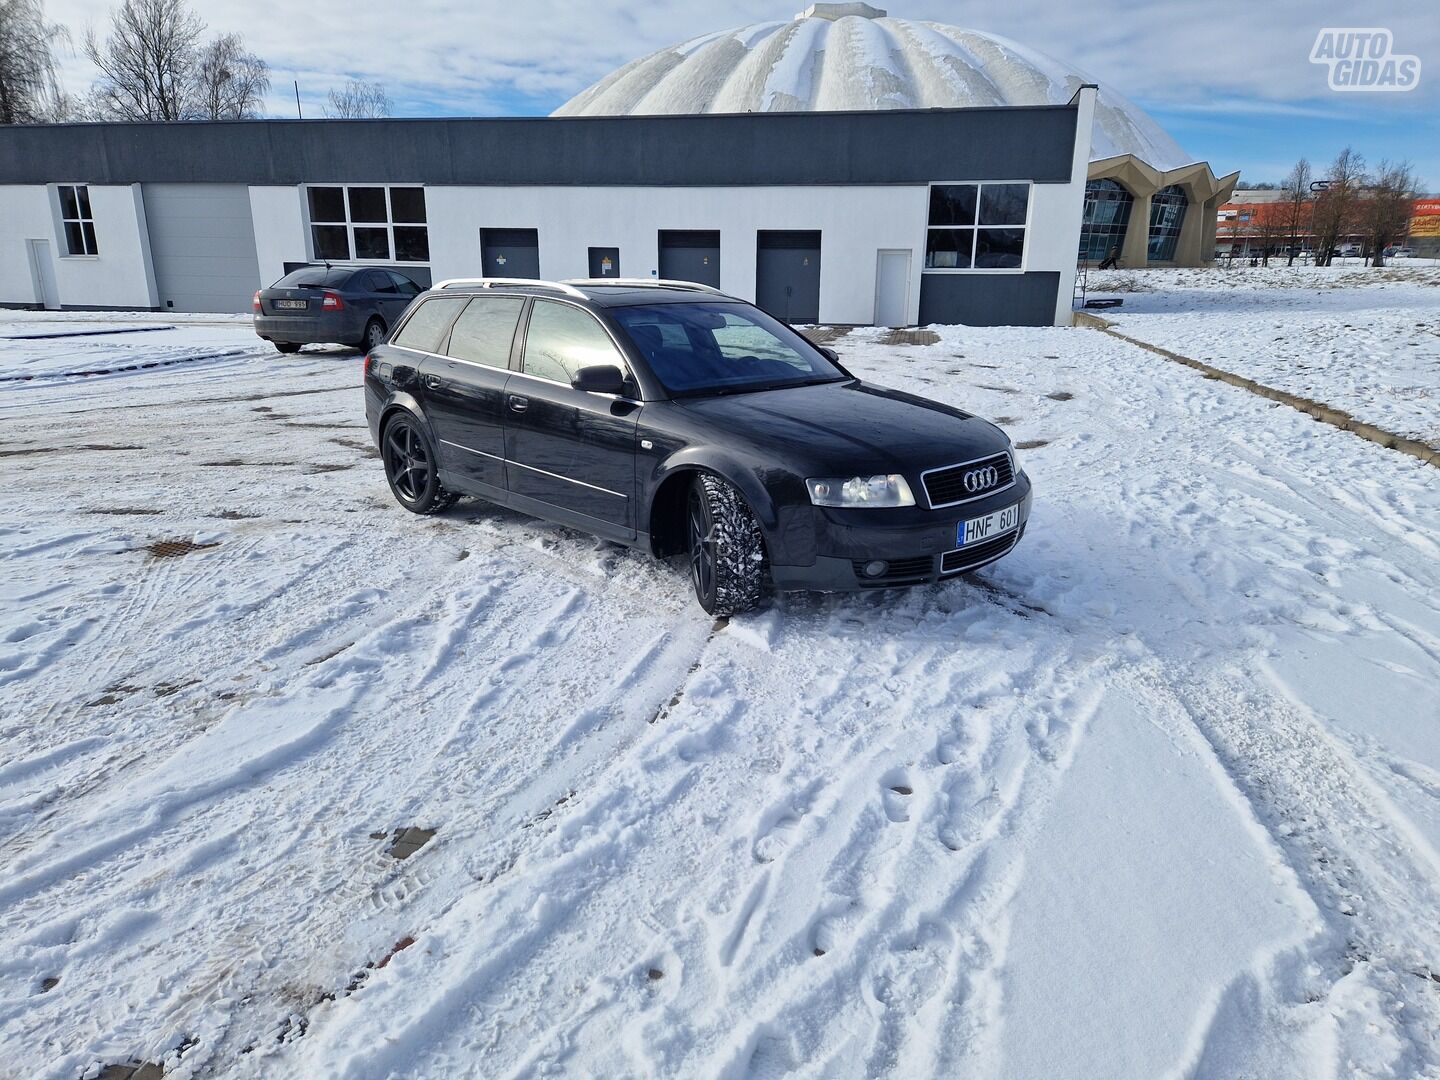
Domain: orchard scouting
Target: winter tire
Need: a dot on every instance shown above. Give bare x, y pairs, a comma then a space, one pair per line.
726, 549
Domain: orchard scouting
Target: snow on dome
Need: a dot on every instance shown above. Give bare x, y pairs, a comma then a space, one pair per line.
853, 56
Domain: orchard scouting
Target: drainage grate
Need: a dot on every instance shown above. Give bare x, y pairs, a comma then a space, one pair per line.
173, 549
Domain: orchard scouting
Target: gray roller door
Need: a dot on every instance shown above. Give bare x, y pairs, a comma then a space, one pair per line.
202, 241
688, 255
787, 275
510, 252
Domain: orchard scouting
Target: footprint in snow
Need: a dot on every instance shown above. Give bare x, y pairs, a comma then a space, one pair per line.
969, 818
896, 792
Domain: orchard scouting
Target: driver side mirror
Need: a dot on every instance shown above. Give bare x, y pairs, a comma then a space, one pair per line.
829, 354
599, 379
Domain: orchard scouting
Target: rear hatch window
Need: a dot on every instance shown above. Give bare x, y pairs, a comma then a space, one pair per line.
314, 277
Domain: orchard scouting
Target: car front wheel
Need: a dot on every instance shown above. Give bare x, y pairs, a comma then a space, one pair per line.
726, 549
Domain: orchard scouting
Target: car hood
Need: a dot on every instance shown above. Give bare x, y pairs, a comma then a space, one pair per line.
851, 428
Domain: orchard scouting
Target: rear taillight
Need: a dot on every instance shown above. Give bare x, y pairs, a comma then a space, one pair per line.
332, 302
365, 371
255, 303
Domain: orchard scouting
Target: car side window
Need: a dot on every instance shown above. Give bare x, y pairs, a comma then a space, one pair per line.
426, 327
380, 282
562, 339
485, 330
404, 284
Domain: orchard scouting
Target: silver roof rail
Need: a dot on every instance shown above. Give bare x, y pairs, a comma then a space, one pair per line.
507, 282
642, 282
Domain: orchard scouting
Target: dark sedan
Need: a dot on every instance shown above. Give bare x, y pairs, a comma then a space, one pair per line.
345, 305
671, 417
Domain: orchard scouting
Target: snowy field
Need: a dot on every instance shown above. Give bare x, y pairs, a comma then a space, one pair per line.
1363, 340
1158, 795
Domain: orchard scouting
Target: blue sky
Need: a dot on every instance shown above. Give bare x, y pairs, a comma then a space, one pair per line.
1231, 81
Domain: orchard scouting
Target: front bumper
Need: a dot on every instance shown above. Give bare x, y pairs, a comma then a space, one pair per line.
916, 542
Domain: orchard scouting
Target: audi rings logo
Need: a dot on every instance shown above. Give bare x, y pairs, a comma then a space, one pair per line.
980, 479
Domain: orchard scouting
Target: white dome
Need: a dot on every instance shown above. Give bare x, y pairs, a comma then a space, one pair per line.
850, 56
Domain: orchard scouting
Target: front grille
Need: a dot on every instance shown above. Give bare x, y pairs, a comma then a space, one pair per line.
965, 558
945, 487
898, 570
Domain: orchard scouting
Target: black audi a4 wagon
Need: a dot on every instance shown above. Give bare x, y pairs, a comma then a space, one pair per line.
671, 417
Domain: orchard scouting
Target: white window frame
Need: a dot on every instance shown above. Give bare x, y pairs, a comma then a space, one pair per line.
63, 240
976, 227
389, 224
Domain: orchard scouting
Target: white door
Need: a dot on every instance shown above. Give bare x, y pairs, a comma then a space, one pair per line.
42, 274
892, 287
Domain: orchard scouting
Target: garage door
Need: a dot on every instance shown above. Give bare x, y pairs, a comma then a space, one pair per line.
510, 252
787, 275
202, 241
687, 255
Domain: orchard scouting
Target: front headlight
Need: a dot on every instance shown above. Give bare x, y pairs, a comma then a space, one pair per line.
877, 491
1015, 459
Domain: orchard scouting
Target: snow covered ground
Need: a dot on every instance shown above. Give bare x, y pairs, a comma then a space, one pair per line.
1158, 795
1362, 340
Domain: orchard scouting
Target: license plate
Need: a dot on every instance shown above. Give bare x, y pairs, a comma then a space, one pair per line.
292, 305
987, 527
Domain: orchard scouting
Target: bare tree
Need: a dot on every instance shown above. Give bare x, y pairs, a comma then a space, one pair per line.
147, 63
1297, 201
358, 100
229, 82
29, 89
1335, 207
1385, 211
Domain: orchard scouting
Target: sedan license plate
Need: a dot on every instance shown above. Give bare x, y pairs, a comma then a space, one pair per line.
987, 527
292, 305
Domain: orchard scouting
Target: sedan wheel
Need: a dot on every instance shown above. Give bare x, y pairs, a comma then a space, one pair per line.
410, 468
374, 335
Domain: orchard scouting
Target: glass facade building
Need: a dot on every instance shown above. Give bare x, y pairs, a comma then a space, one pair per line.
1167, 216
1107, 213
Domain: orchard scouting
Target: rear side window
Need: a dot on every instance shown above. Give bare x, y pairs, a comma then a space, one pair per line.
426, 327
485, 330
404, 284
562, 339
314, 275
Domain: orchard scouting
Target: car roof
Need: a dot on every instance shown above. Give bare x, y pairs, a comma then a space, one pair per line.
617, 294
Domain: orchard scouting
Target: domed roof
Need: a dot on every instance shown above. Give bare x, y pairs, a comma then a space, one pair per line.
852, 56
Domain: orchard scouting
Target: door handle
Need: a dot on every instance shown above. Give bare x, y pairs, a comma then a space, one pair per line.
432, 382
518, 403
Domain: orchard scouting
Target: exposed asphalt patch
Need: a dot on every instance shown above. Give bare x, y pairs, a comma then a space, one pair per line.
30, 451
84, 333
174, 549
126, 511
56, 376
408, 841
910, 337
235, 463
1032, 444
1060, 395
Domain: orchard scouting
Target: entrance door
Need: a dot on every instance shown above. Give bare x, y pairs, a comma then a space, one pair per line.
892, 287
690, 255
787, 275
604, 262
42, 274
510, 252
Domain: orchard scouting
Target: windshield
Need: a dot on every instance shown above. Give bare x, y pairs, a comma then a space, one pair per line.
717, 348
314, 275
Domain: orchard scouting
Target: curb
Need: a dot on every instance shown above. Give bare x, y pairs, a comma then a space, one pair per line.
1337, 418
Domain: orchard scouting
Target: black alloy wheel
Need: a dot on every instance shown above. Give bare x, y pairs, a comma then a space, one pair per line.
410, 468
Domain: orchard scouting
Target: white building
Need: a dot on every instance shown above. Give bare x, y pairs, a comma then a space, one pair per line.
843, 167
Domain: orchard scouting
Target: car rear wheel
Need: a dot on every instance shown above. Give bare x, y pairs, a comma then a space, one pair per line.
374, 335
410, 468
287, 346
726, 549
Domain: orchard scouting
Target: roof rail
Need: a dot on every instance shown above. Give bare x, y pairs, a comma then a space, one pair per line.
642, 282
507, 282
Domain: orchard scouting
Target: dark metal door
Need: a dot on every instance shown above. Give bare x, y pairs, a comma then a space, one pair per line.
688, 255
604, 262
787, 275
510, 252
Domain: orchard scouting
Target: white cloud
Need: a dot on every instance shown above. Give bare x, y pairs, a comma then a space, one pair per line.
469, 58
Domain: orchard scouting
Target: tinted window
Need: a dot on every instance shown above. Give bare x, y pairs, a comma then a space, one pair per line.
327, 204
371, 243
381, 282
485, 329
313, 275
367, 204
1004, 204
408, 204
952, 204
715, 347
426, 327
404, 284
562, 339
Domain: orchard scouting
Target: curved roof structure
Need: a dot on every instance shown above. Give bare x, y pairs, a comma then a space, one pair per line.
852, 56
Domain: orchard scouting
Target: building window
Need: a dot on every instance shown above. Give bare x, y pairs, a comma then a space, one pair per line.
79, 222
977, 226
1107, 214
1167, 215
369, 224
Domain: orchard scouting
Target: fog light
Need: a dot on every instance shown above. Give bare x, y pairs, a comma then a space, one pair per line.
876, 568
